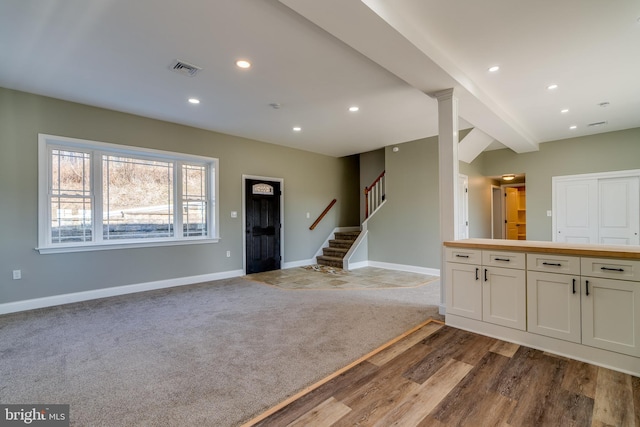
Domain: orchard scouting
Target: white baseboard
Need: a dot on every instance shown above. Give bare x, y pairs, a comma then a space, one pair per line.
13, 307
403, 267
356, 265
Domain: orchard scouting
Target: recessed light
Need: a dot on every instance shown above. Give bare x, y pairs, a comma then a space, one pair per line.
194, 100
564, 111
573, 127
552, 87
354, 109
297, 128
494, 69
243, 63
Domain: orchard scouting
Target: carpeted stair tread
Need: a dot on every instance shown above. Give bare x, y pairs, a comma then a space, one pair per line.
336, 243
347, 235
330, 261
335, 252
338, 247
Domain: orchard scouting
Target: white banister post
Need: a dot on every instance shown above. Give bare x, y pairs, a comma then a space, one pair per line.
448, 176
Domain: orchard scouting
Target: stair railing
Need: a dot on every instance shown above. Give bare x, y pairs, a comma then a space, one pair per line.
327, 209
374, 195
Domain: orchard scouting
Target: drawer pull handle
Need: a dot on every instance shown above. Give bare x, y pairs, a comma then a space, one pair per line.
502, 259
485, 275
477, 271
462, 256
553, 264
574, 286
611, 269
587, 285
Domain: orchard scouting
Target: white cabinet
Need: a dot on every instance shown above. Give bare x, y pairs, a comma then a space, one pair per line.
584, 300
479, 290
504, 297
611, 307
553, 296
553, 305
464, 293
581, 302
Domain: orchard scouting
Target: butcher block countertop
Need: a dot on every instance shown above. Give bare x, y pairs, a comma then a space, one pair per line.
533, 246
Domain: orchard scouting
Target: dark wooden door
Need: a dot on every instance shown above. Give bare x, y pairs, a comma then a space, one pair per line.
262, 229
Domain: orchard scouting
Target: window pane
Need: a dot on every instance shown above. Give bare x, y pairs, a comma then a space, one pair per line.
70, 196
194, 200
137, 198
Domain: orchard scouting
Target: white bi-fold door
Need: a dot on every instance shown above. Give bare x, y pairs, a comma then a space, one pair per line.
601, 209
619, 211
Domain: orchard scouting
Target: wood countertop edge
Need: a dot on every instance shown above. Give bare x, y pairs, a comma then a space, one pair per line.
601, 251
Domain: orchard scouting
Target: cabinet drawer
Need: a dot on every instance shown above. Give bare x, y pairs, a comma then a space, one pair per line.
504, 259
553, 263
611, 268
464, 256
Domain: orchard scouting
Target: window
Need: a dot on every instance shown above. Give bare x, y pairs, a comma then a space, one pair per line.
95, 195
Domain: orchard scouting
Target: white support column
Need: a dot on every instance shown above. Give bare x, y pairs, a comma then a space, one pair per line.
448, 176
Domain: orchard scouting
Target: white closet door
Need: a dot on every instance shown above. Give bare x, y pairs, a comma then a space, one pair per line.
619, 216
576, 210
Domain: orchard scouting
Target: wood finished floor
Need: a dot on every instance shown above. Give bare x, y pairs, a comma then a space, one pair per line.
442, 376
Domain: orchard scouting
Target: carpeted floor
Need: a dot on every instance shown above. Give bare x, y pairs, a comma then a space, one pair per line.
213, 354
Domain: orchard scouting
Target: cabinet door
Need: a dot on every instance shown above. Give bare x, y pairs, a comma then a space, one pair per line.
504, 297
611, 315
464, 290
553, 305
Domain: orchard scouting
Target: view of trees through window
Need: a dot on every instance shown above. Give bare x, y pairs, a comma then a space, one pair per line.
137, 199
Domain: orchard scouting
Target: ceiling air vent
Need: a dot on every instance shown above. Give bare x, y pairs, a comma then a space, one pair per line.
184, 68
596, 124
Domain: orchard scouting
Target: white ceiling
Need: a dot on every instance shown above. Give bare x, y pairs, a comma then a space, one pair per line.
318, 58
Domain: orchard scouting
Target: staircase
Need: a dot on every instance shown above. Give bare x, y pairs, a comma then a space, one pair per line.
338, 248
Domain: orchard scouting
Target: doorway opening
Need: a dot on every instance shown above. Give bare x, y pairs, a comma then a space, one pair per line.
262, 217
515, 211
496, 213
508, 199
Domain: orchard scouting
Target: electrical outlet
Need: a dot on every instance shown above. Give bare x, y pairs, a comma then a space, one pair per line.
17, 274
228, 254
548, 213
308, 215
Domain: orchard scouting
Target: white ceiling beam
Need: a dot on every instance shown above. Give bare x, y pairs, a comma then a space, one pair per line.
378, 32
473, 144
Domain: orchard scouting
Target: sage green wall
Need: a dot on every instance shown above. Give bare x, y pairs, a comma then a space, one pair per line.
596, 153
311, 181
406, 229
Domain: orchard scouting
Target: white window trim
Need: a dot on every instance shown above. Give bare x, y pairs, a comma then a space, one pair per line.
44, 210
